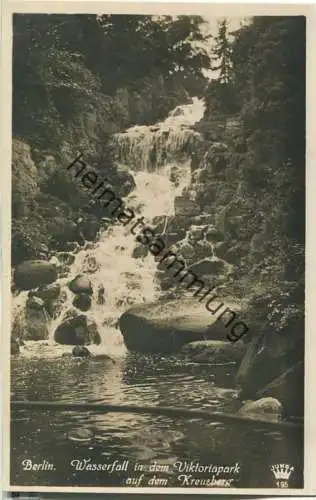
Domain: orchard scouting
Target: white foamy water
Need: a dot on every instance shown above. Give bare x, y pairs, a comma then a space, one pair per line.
179, 118
149, 147
109, 262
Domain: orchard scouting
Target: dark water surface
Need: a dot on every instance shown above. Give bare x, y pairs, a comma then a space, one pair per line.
61, 437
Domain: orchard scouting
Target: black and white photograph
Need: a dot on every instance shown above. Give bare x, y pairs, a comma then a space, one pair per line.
157, 310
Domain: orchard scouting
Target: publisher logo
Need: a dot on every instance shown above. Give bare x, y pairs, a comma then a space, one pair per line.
282, 473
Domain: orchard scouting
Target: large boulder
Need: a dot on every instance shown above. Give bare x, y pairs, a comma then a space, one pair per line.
55, 306
196, 232
217, 148
82, 301
80, 351
213, 234
36, 327
89, 228
266, 408
127, 187
48, 292
178, 111
125, 181
31, 322
203, 248
213, 351
218, 155
76, 331
63, 231
34, 273
81, 284
185, 249
167, 325
166, 283
34, 302
210, 266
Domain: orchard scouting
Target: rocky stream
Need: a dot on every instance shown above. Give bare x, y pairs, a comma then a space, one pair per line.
100, 322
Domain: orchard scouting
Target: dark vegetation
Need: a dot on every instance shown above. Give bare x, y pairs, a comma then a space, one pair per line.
77, 80
256, 106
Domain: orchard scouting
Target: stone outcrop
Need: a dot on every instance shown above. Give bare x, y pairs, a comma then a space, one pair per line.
196, 232
34, 273
81, 284
210, 266
31, 323
185, 249
167, 325
81, 352
82, 301
75, 330
213, 351
203, 248
214, 235
125, 182
267, 408
89, 228
47, 292
35, 303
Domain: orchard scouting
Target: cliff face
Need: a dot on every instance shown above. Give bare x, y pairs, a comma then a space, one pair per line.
268, 261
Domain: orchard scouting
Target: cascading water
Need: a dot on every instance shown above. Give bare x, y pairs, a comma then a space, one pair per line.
150, 147
109, 262
161, 169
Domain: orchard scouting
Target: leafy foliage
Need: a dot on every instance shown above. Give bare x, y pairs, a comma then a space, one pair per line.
78, 79
261, 87
65, 66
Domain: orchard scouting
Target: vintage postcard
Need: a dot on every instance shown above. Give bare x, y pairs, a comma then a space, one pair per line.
157, 269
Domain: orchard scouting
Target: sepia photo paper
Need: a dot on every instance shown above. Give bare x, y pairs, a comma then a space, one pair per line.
157, 248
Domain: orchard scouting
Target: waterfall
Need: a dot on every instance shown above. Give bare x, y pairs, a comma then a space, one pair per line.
109, 262
150, 147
